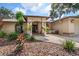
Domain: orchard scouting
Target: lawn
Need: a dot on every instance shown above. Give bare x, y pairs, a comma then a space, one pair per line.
35, 49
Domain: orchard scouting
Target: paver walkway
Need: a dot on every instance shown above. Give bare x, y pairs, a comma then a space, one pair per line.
55, 39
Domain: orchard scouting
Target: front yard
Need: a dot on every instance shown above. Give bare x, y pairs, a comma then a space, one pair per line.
22, 44
35, 49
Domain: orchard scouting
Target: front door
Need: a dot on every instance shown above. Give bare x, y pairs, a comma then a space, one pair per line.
34, 28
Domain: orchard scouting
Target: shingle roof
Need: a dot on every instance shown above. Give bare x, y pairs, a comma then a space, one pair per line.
66, 18
14, 20
10, 20
36, 16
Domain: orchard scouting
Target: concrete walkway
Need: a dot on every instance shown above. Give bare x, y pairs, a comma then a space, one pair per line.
54, 39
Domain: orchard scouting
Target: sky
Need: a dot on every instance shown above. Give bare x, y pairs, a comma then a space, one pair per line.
40, 9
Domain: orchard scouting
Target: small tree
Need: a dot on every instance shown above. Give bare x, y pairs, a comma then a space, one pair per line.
20, 18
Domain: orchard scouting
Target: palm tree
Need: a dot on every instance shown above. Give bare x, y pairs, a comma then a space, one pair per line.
20, 18
58, 9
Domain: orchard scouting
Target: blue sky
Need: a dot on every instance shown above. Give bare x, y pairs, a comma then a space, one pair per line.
41, 9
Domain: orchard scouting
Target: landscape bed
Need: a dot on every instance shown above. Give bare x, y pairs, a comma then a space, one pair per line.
36, 49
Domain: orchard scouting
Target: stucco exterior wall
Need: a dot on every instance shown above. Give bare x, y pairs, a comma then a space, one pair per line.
8, 27
50, 25
9, 24
41, 22
25, 27
36, 19
61, 26
67, 26
76, 26
39, 28
71, 27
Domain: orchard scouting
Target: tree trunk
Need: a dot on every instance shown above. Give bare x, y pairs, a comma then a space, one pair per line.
21, 28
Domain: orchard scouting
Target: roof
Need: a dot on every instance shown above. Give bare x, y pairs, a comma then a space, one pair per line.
66, 18
14, 20
10, 20
36, 16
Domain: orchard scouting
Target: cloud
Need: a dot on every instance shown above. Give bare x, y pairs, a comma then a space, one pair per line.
19, 9
34, 9
47, 9
29, 5
40, 8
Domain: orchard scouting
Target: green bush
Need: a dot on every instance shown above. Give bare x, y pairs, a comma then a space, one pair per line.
12, 36
32, 38
29, 38
69, 45
2, 34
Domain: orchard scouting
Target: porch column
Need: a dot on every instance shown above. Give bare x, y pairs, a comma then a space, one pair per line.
29, 27
43, 28
39, 27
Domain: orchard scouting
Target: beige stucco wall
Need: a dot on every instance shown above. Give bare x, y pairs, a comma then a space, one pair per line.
39, 28
73, 26
63, 26
69, 26
50, 25
76, 26
8, 27
36, 19
41, 22
25, 27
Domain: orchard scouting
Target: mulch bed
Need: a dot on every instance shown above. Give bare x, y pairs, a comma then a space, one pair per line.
36, 49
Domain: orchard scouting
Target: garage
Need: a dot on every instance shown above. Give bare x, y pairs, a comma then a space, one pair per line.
76, 23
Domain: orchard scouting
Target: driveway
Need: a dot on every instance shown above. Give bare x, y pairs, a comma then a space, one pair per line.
74, 38
51, 38
58, 39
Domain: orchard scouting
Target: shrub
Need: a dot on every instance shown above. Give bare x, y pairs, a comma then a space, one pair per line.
12, 36
69, 45
29, 38
2, 34
32, 38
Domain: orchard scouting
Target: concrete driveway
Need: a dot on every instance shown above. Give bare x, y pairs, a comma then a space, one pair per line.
58, 39
75, 38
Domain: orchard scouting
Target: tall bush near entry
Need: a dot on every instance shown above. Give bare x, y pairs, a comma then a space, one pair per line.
20, 18
20, 38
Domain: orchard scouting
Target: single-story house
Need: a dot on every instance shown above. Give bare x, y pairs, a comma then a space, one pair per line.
36, 24
32, 24
67, 25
